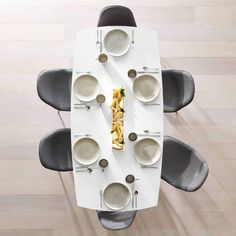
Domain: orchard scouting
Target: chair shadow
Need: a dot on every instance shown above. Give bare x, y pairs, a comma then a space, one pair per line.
72, 210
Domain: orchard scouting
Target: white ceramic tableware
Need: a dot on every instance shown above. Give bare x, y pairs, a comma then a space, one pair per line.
147, 151
146, 88
86, 151
86, 87
116, 196
116, 42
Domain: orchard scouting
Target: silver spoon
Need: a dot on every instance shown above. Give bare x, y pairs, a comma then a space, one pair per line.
146, 131
84, 169
136, 198
132, 36
77, 105
97, 42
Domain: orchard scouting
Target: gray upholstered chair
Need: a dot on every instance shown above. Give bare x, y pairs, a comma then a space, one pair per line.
55, 150
178, 89
116, 220
54, 88
116, 15
182, 166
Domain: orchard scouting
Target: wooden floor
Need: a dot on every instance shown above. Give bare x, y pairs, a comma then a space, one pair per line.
195, 35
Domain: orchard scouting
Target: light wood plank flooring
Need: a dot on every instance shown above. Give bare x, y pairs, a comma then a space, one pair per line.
195, 35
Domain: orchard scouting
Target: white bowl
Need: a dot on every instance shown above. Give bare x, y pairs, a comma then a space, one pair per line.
116, 196
146, 88
86, 87
86, 151
147, 151
116, 42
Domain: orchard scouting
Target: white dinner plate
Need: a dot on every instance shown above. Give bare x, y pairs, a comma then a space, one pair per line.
116, 196
147, 151
116, 42
146, 88
86, 87
86, 151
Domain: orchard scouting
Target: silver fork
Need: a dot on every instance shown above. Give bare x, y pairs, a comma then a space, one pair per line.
83, 72
145, 68
149, 134
97, 42
149, 167
152, 104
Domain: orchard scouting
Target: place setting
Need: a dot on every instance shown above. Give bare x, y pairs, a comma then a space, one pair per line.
115, 43
86, 89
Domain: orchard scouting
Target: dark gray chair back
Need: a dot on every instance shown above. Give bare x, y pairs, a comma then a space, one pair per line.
116, 220
54, 88
116, 16
55, 150
178, 89
182, 166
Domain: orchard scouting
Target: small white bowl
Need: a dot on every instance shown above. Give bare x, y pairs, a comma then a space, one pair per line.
147, 151
116, 196
86, 87
86, 151
116, 42
146, 88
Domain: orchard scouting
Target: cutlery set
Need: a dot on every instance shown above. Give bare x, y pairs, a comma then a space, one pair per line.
132, 73
133, 136
99, 40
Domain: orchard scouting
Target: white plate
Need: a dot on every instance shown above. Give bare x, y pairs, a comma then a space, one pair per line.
86, 151
116, 42
86, 87
147, 151
146, 88
116, 196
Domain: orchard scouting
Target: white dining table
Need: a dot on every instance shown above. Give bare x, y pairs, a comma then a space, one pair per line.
97, 120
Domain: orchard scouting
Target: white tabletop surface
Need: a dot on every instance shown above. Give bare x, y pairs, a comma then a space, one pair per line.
98, 120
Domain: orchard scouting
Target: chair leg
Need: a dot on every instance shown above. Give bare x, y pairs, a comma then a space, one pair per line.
60, 117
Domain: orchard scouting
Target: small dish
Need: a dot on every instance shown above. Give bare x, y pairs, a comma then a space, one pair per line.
116, 42
146, 88
147, 151
86, 151
116, 196
102, 58
86, 87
